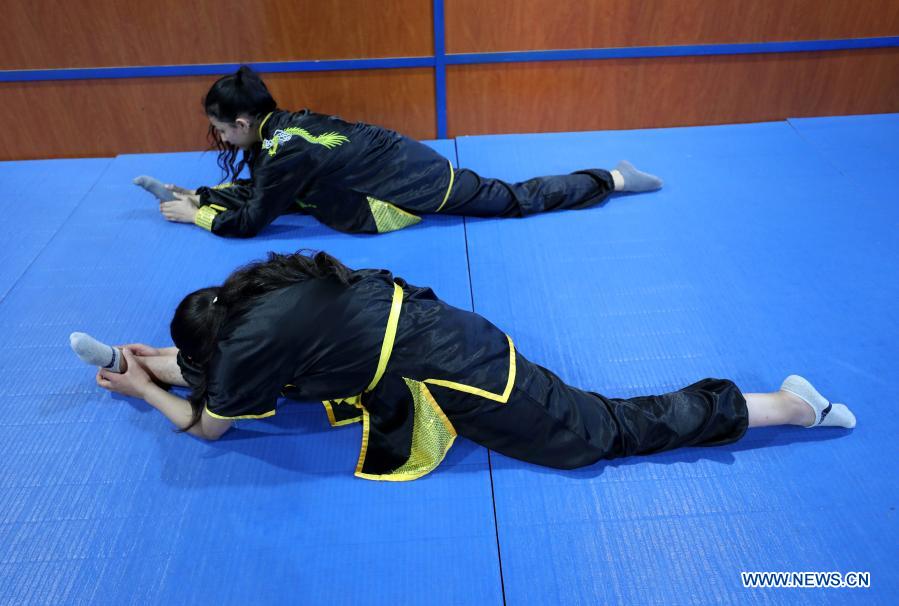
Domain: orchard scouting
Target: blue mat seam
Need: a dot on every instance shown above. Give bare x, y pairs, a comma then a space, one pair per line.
824, 158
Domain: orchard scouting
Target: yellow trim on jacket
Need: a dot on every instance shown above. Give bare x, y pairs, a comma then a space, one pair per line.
393, 321
389, 217
448, 189
432, 436
332, 419
261, 124
270, 413
501, 398
205, 216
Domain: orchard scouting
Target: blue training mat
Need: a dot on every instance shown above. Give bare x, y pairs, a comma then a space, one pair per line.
36, 197
756, 260
861, 147
102, 503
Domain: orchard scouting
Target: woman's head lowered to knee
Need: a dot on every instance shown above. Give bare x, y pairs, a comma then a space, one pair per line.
200, 315
235, 106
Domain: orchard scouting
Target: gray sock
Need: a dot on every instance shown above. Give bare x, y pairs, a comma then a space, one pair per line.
95, 353
154, 187
634, 180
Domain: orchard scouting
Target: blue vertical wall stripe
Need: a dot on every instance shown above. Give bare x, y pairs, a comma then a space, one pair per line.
440, 68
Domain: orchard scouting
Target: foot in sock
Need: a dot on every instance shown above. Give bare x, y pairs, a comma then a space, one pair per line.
95, 353
826, 414
628, 178
154, 187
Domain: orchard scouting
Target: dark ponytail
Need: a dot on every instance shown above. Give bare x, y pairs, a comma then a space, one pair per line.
232, 96
201, 314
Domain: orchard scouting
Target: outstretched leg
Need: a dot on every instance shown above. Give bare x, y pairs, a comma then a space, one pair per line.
475, 196
95, 353
797, 403
550, 423
161, 364
164, 367
154, 187
629, 179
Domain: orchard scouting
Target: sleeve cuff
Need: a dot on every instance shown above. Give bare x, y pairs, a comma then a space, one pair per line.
205, 217
264, 415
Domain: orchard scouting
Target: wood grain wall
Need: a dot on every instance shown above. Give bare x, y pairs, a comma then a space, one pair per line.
657, 92
108, 117
104, 33
648, 93
477, 26
105, 117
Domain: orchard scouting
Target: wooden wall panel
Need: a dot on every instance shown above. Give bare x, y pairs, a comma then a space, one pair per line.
646, 93
109, 117
79, 33
476, 26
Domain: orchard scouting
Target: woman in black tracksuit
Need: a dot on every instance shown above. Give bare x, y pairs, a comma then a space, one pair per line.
416, 372
354, 177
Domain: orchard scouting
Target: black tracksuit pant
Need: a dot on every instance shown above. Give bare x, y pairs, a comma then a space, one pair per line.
548, 422
475, 196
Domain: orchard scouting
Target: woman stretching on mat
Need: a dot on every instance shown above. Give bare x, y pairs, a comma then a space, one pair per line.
415, 371
352, 177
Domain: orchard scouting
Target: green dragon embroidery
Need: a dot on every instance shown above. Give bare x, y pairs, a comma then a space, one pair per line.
328, 140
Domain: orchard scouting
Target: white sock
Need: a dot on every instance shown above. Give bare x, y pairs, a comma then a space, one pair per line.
92, 352
826, 414
155, 187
